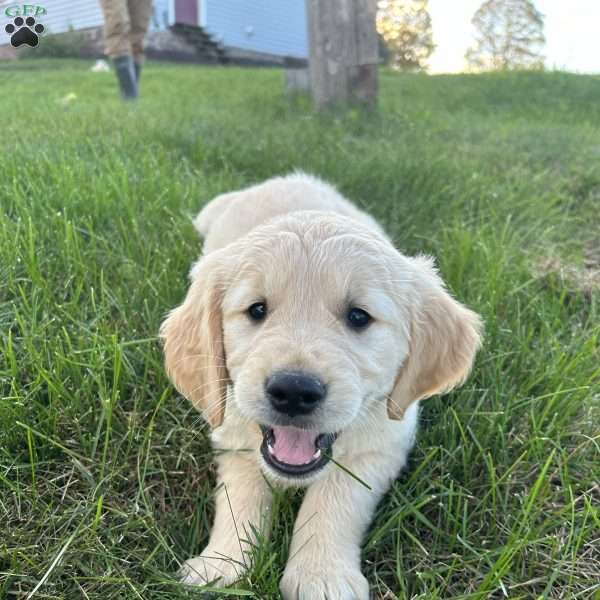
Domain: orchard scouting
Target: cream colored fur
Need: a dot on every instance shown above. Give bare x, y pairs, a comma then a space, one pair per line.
298, 244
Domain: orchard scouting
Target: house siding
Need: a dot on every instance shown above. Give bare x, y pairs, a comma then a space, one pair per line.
74, 14
276, 27
161, 15
63, 15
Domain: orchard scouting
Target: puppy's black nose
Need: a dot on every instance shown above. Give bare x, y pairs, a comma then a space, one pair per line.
294, 392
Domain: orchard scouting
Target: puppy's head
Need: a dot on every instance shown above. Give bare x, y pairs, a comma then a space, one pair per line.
311, 320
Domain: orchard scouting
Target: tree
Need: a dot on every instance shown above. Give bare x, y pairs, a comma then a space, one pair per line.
510, 35
343, 52
405, 26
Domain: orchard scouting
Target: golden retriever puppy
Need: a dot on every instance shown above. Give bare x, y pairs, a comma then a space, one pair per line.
306, 336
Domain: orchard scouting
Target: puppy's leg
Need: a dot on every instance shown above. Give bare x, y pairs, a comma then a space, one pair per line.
324, 559
243, 501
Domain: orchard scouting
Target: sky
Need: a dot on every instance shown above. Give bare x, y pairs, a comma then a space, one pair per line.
572, 29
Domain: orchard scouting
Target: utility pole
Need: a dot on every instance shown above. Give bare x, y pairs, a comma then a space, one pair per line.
343, 52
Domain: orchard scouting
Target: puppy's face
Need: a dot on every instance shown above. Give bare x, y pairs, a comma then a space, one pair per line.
312, 319
313, 332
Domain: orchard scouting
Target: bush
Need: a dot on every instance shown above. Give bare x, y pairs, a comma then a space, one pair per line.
71, 44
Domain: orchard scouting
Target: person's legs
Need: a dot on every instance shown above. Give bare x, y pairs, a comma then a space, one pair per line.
140, 12
117, 29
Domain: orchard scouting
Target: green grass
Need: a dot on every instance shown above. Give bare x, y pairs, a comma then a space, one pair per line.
105, 472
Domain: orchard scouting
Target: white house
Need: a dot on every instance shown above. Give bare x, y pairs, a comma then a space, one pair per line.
251, 28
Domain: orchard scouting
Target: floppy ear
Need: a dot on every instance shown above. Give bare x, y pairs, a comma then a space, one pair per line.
193, 343
444, 339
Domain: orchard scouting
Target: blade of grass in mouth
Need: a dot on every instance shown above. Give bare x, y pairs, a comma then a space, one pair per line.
348, 471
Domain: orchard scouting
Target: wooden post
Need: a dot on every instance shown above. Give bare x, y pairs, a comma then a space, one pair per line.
343, 52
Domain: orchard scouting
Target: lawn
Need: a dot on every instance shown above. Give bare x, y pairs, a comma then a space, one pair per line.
105, 472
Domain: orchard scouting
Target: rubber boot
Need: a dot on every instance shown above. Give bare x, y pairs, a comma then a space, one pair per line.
138, 71
126, 75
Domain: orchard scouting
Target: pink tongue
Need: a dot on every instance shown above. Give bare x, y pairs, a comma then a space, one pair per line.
294, 446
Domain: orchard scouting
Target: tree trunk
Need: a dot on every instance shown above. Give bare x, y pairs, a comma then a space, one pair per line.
343, 52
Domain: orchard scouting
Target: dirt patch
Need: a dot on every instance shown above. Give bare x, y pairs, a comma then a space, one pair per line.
583, 278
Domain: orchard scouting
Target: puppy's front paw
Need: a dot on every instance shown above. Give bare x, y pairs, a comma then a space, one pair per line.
331, 582
212, 567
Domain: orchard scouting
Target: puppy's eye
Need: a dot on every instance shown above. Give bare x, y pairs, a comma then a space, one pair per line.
257, 311
358, 318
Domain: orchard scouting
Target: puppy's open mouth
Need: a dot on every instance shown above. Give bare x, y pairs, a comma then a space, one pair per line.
296, 452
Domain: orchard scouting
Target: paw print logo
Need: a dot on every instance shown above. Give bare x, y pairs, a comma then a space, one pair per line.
24, 31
